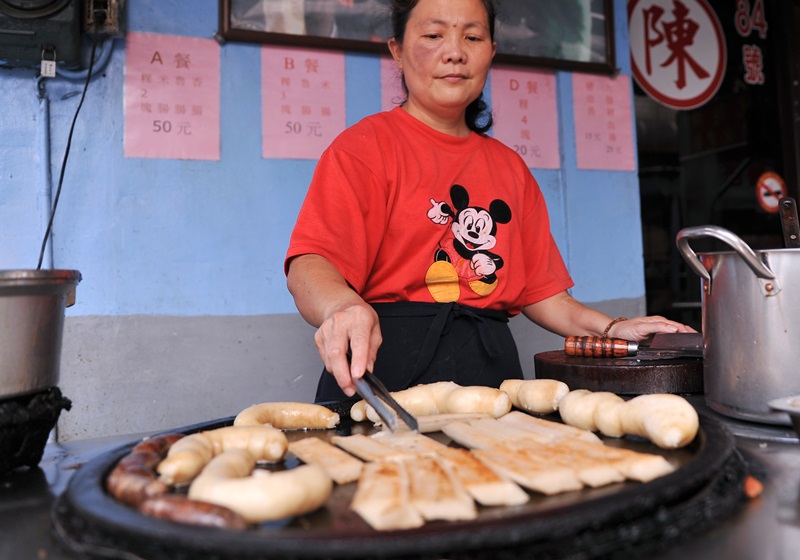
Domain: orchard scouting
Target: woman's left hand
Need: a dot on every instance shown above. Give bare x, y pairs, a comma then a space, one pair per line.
564, 315
641, 328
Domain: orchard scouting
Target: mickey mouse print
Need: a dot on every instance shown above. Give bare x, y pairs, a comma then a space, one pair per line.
464, 251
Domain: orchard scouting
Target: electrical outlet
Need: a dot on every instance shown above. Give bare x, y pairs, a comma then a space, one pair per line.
103, 16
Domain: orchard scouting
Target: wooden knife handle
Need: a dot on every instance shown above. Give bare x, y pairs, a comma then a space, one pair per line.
599, 347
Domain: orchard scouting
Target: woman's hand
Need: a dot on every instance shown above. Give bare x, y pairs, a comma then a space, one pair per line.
642, 328
355, 327
564, 315
344, 320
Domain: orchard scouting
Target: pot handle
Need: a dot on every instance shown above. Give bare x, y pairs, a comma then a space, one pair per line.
743, 249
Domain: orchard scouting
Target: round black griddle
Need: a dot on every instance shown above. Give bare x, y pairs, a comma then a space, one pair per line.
624, 376
592, 523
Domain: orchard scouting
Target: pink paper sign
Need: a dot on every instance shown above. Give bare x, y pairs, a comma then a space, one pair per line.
526, 115
303, 101
603, 122
171, 97
392, 93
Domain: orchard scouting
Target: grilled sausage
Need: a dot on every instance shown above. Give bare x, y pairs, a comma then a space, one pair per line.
540, 396
419, 400
180, 509
186, 459
445, 397
585, 409
288, 416
667, 420
229, 480
487, 400
133, 479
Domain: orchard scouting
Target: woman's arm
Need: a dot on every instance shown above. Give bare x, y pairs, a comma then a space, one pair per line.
344, 320
566, 316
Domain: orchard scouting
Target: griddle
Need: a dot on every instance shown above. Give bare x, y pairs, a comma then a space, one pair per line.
623, 376
614, 521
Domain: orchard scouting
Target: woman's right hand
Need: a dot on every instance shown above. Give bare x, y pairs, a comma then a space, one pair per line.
355, 327
343, 319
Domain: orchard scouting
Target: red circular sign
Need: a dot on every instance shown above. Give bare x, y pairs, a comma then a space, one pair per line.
770, 188
678, 52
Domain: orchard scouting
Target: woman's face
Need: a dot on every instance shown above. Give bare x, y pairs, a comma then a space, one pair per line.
445, 57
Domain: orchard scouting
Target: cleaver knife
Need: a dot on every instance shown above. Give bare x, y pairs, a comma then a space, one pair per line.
662, 347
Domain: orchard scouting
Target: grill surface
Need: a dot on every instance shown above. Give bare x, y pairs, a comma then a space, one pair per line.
628, 519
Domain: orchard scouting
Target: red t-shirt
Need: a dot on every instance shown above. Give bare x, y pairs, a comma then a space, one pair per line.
407, 213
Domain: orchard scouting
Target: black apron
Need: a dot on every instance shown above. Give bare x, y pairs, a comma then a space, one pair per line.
431, 342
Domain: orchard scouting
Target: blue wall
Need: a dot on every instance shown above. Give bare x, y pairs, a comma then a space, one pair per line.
183, 312
190, 238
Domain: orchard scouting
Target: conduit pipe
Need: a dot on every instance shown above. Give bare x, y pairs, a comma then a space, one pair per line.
106, 49
45, 192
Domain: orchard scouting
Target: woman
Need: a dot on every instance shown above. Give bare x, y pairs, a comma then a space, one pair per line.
420, 235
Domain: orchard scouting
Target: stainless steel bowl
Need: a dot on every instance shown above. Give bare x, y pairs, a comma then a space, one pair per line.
32, 304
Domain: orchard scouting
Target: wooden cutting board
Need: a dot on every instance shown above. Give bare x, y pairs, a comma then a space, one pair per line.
624, 376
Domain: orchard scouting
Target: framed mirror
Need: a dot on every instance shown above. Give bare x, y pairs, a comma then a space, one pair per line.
575, 35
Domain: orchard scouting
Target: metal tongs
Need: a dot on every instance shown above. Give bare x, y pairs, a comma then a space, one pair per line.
378, 396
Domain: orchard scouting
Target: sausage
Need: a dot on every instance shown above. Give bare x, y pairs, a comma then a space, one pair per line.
186, 459
134, 478
540, 396
487, 400
181, 509
667, 420
358, 412
593, 411
419, 400
288, 416
228, 480
445, 397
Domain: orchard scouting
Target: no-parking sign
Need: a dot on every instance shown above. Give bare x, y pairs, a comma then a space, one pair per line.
770, 188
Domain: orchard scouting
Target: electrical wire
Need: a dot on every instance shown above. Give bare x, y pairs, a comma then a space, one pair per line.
66, 153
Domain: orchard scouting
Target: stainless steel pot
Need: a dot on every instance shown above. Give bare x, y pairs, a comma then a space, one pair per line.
750, 322
32, 304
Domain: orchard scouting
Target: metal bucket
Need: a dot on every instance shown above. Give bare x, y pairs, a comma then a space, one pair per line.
32, 304
751, 324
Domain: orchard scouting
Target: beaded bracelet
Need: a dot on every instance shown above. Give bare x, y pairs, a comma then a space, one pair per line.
612, 323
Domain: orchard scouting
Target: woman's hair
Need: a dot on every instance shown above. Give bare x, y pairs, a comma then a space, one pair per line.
478, 115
